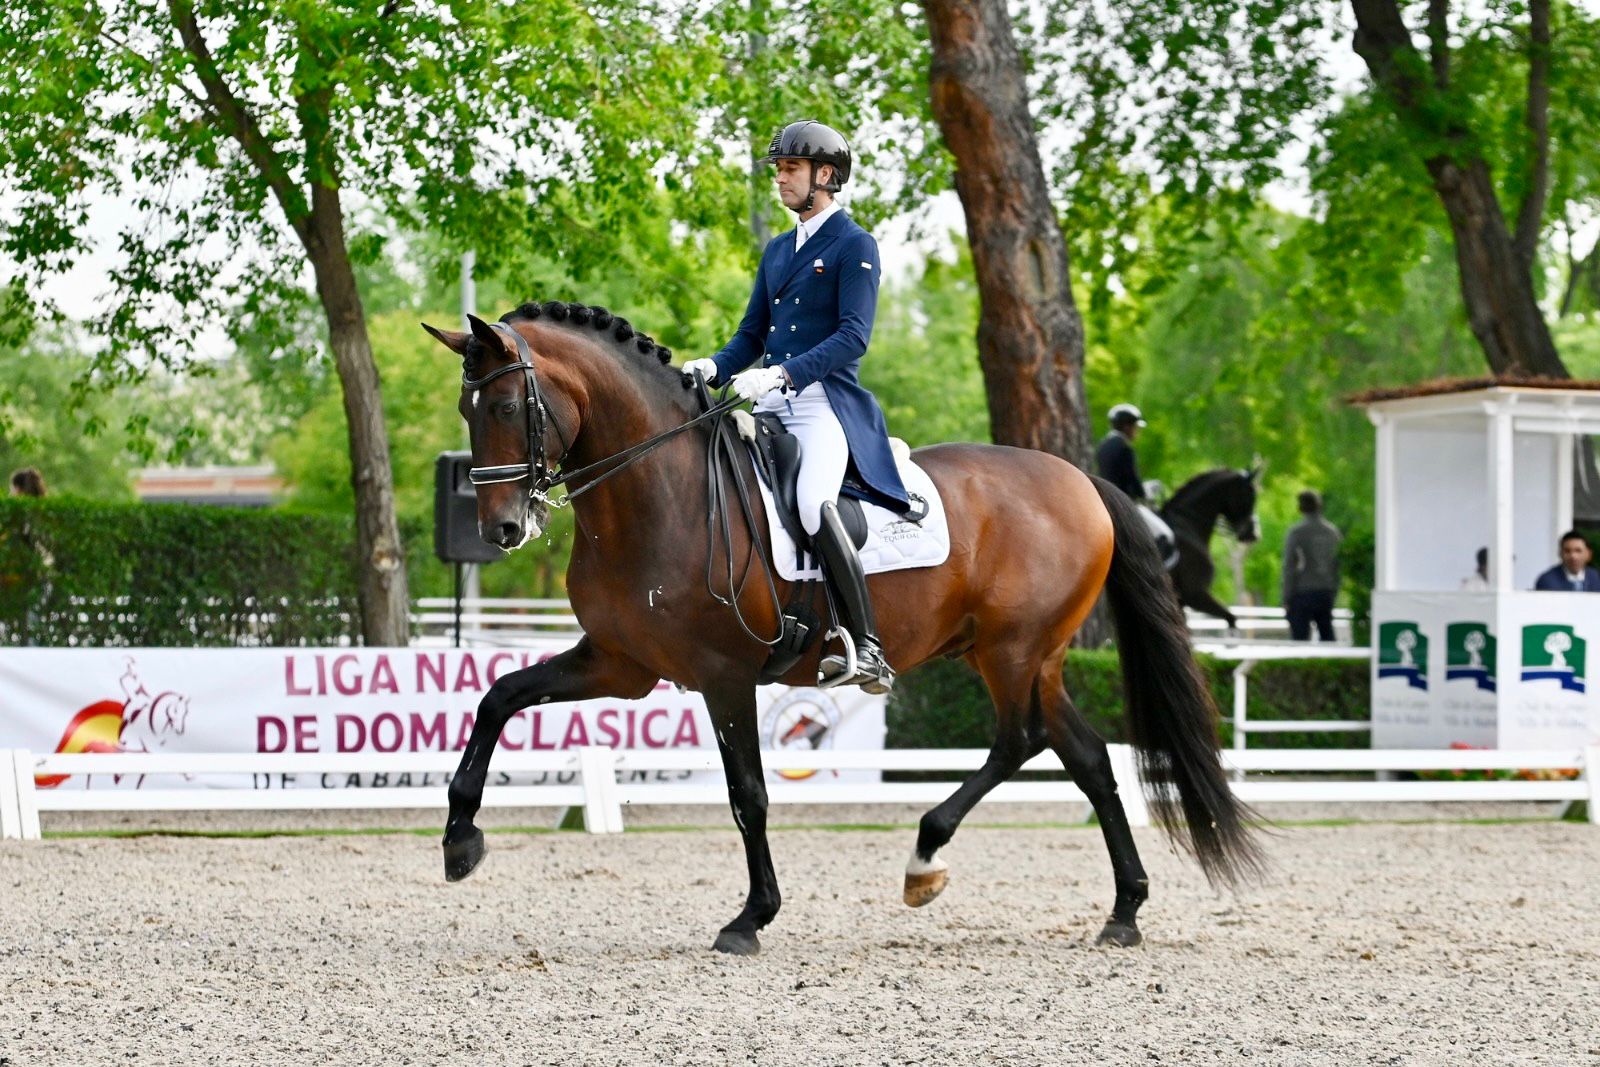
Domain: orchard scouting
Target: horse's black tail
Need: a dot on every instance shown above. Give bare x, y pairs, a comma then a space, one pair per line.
1171, 716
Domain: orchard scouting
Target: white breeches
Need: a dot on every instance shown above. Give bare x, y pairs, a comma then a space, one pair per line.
1158, 525
824, 452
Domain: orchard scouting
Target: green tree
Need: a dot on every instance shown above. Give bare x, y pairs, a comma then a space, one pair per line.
79, 450
244, 133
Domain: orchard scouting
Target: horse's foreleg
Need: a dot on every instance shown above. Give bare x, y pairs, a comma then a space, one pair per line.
733, 715
1085, 757
1018, 738
579, 673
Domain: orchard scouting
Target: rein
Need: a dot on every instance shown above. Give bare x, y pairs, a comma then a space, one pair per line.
721, 454
537, 469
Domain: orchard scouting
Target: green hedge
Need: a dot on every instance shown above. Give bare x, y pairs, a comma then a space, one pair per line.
944, 704
75, 572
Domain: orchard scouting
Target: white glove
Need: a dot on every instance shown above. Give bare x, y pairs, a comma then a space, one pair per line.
706, 366
752, 385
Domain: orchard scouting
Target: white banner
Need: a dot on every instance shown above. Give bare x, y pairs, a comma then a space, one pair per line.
1484, 670
364, 700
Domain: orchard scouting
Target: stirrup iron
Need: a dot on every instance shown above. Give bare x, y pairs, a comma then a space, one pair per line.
852, 665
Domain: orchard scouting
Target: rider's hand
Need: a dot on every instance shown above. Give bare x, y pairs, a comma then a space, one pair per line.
707, 367
755, 384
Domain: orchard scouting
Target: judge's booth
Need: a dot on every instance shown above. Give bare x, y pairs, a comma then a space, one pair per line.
1457, 661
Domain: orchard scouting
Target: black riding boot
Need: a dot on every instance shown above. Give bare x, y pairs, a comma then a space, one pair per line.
843, 567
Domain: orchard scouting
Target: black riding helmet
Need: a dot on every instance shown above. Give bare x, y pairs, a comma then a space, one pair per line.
809, 139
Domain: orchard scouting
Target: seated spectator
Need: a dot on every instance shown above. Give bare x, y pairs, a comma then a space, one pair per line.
1478, 580
1573, 574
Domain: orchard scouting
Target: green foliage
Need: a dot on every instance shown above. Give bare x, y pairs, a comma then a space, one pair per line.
923, 365
943, 704
77, 572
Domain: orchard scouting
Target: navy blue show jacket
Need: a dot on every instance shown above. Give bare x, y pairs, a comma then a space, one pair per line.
811, 313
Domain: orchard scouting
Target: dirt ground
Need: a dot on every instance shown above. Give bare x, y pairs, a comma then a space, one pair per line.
1379, 943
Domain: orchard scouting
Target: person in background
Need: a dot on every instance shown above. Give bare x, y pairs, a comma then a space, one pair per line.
1311, 571
1114, 460
27, 482
1478, 580
1573, 574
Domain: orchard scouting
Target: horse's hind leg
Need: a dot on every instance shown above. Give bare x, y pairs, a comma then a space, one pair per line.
1084, 755
578, 673
1019, 736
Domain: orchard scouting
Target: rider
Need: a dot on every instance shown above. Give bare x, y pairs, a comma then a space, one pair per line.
1117, 464
809, 320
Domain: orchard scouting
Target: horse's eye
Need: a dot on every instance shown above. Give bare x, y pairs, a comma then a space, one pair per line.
509, 408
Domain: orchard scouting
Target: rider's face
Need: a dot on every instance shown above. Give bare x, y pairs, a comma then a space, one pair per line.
794, 181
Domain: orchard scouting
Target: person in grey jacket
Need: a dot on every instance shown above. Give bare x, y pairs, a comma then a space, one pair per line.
1311, 571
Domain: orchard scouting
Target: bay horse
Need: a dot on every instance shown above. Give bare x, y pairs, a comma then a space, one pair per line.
1225, 495
566, 387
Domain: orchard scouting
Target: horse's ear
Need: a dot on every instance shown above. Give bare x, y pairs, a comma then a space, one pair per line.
451, 339
486, 334
1256, 469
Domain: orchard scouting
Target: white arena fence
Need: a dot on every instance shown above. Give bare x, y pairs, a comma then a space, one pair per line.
501, 620
601, 787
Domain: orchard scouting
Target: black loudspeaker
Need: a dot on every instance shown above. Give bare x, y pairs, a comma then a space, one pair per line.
455, 513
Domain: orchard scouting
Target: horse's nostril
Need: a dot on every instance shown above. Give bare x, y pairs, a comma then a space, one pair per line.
507, 534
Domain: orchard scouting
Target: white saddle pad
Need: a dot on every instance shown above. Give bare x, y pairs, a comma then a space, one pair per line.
893, 543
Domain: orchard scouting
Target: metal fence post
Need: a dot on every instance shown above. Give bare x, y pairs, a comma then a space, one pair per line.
1125, 769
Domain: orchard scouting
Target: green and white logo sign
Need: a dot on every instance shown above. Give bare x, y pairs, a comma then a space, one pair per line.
1403, 653
1470, 654
1554, 653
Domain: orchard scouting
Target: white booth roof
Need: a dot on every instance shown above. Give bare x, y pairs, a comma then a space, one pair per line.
1464, 465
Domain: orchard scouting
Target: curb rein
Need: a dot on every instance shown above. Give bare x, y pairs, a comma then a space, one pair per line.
541, 480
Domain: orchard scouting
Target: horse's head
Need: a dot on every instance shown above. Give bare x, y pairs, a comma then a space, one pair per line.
520, 424
1239, 505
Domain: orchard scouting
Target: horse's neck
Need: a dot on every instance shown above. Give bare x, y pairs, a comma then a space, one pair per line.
655, 490
1197, 510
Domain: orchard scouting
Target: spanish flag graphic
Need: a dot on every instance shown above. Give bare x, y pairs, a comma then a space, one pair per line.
96, 728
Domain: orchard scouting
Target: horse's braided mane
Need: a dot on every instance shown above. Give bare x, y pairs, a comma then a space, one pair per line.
615, 327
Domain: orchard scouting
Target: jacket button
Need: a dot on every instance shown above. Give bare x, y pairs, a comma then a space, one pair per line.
797, 300
779, 300
791, 329
771, 328
788, 355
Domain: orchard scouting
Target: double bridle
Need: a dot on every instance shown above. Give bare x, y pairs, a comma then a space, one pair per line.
543, 475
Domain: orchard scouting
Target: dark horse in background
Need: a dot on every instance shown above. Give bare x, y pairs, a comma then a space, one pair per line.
1033, 540
1193, 512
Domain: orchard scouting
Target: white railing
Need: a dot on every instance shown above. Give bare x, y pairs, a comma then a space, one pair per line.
1259, 624
501, 620
601, 787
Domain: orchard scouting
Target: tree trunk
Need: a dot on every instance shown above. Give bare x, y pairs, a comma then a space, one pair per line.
385, 600
1030, 336
1496, 282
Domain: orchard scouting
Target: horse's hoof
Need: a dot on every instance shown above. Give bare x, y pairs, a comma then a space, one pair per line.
462, 857
735, 943
922, 888
1120, 935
